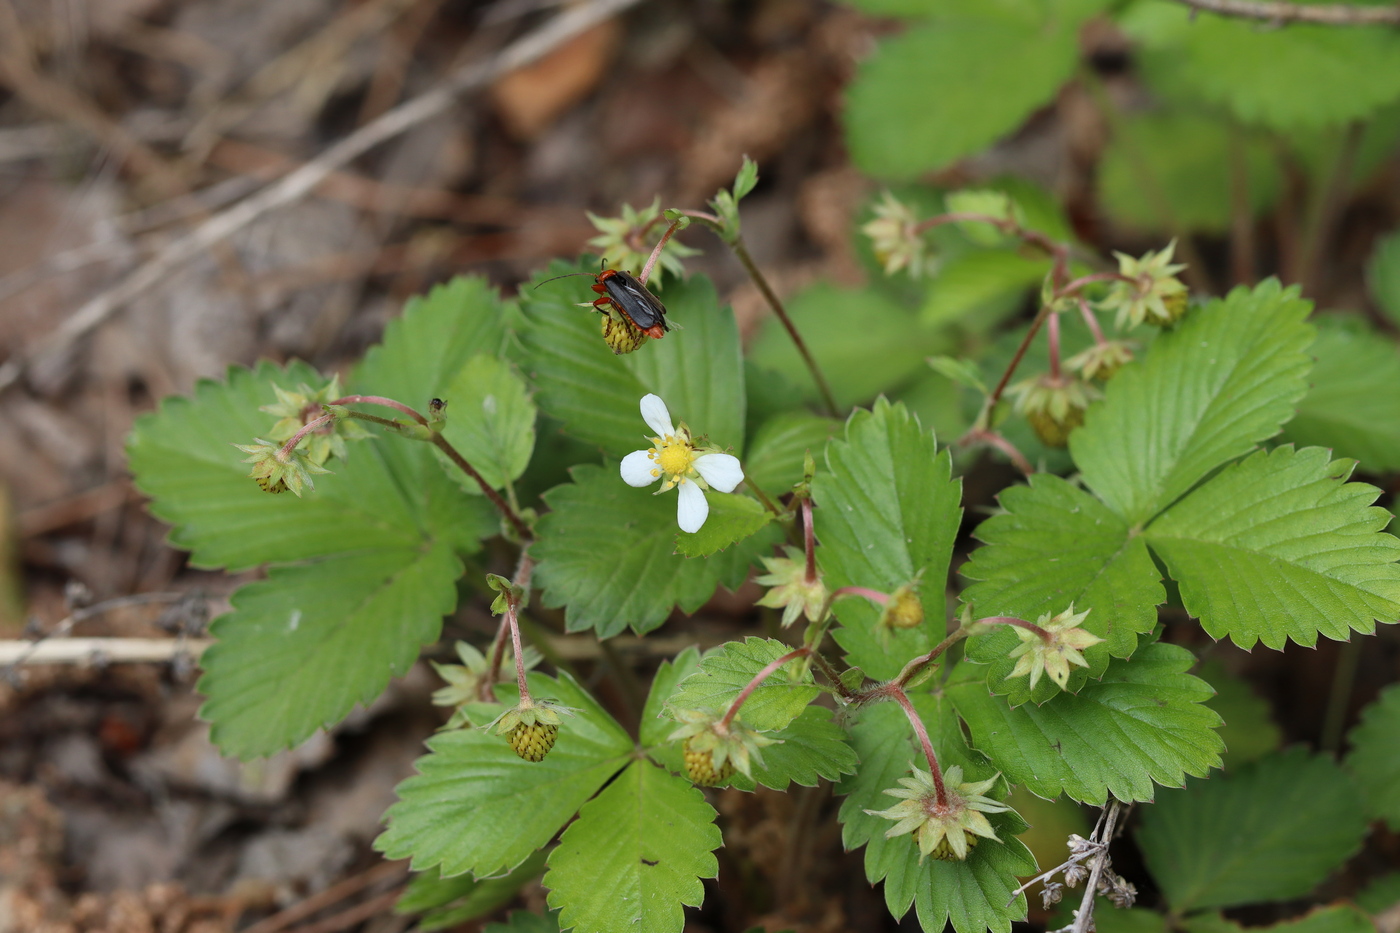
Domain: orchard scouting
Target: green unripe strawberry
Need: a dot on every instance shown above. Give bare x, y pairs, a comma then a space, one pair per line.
700, 765
531, 726
534, 741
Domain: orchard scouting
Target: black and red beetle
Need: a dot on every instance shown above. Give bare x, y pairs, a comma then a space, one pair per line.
623, 293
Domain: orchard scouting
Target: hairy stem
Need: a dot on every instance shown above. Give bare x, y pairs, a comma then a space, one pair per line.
897, 694
741, 252
292, 442
656, 251
758, 679
380, 400
518, 523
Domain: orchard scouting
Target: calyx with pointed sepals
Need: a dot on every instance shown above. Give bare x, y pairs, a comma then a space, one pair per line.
531, 726
791, 591
276, 470
944, 830
714, 750
1054, 405
1054, 648
1154, 296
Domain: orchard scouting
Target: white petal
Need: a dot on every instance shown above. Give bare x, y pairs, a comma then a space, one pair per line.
637, 467
721, 471
691, 509
655, 414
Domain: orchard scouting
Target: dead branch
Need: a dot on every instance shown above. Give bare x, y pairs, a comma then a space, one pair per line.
46, 358
1275, 11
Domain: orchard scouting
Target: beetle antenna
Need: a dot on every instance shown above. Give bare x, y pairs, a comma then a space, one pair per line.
564, 276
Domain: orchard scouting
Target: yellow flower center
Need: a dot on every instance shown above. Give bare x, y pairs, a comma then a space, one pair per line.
674, 455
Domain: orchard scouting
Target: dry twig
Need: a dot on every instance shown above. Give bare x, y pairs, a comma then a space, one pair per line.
1330, 14
47, 357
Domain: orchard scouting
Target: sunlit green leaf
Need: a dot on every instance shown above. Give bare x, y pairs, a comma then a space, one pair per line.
1226, 378
1144, 723
635, 855
475, 806
1279, 547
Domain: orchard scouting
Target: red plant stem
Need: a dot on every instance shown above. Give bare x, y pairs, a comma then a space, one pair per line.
912, 669
501, 505
831, 675
1003, 445
1076, 284
741, 252
441, 443
1092, 319
809, 540
1015, 360
875, 596
897, 694
656, 252
493, 668
380, 400
759, 678
523, 571
1052, 337
519, 652
286, 449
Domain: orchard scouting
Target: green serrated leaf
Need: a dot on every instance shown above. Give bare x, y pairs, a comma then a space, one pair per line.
696, 370
605, 550
1352, 407
779, 446
182, 457
475, 806
1183, 159
635, 855
1222, 842
1248, 728
1280, 547
425, 348
728, 669
813, 747
887, 513
864, 342
1226, 378
1052, 545
732, 519
975, 895
491, 422
447, 902
1374, 759
943, 90
1145, 722
655, 724
301, 648
1288, 79
1383, 275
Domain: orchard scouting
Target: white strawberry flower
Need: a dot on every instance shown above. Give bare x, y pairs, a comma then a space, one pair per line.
690, 469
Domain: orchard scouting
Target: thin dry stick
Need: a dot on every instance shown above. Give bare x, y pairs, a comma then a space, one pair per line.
332, 895
103, 650
1083, 917
1327, 14
47, 356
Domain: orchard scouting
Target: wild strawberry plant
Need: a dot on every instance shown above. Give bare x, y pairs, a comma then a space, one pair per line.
923, 697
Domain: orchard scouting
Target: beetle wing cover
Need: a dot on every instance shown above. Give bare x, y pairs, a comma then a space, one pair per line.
644, 308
